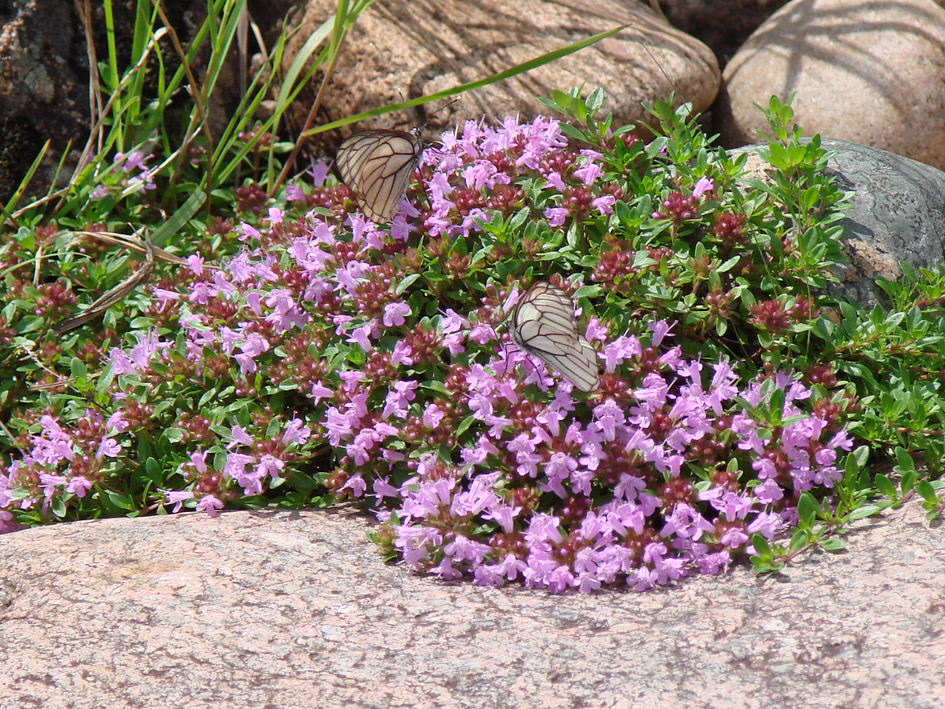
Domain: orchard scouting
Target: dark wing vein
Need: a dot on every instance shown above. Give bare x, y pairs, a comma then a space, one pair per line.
543, 324
377, 166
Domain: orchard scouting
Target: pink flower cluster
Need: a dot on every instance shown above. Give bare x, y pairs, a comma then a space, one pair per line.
480, 462
603, 476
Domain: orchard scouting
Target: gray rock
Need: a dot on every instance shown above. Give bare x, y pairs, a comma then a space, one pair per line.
44, 78
296, 609
41, 87
897, 213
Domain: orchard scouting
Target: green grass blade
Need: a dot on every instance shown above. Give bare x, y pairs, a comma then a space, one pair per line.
11, 203
179, 218
460, 88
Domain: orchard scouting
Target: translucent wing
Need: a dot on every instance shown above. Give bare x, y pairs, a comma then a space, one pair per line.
377, 165
543, 324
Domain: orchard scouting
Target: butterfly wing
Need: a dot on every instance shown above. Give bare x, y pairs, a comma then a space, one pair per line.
543, 324
377, 165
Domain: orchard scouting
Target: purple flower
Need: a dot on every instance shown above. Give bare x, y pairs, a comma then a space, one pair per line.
734, 538
49, 484
401, 355
542, 529
483, 174
149, 344
503, 515
382, 488
768, 524
53, 445
235, 468
356, 484
398, 398
78, 486
361, 337
239, 437
199, 460
251, 347
557, 470
660, 329
195, 263
130, 162
508, 568
120, 363
296, 432
590, 172
209, 504
703, 186
394, 314
556, 216
108, 448
769, 491
713, 563
604, 204
294, 194
177, 498
269, 465
686, 522
318, 172
555, 181
286, 314
432, 415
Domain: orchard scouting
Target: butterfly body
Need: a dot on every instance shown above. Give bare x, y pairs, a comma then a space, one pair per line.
376, 165
543, 324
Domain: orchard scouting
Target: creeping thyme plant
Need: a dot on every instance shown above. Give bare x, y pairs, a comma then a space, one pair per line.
305, 355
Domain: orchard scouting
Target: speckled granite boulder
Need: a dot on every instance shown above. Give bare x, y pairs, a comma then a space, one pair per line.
297, 609
416, 47
864, 71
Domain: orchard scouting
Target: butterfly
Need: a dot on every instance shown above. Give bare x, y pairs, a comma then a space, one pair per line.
543, 324
376, 165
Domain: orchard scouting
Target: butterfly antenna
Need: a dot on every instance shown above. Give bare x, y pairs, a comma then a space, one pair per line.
658, 11
443, 108
418, 129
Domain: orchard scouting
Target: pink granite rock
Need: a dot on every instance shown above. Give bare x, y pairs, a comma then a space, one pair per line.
867, 72
409, 48
296, 609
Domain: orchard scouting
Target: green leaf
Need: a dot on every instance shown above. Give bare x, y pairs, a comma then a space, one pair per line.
478, 83
77, 368
120, 500
832, 544
763, 565
799, 540
153, 470
762, 548
24, 183
405, 283
207, 397
907, 481
179, 218
807, 508
865, 511
465, 424
885, 486
904, 461
926, 491
595, 99
861, 455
